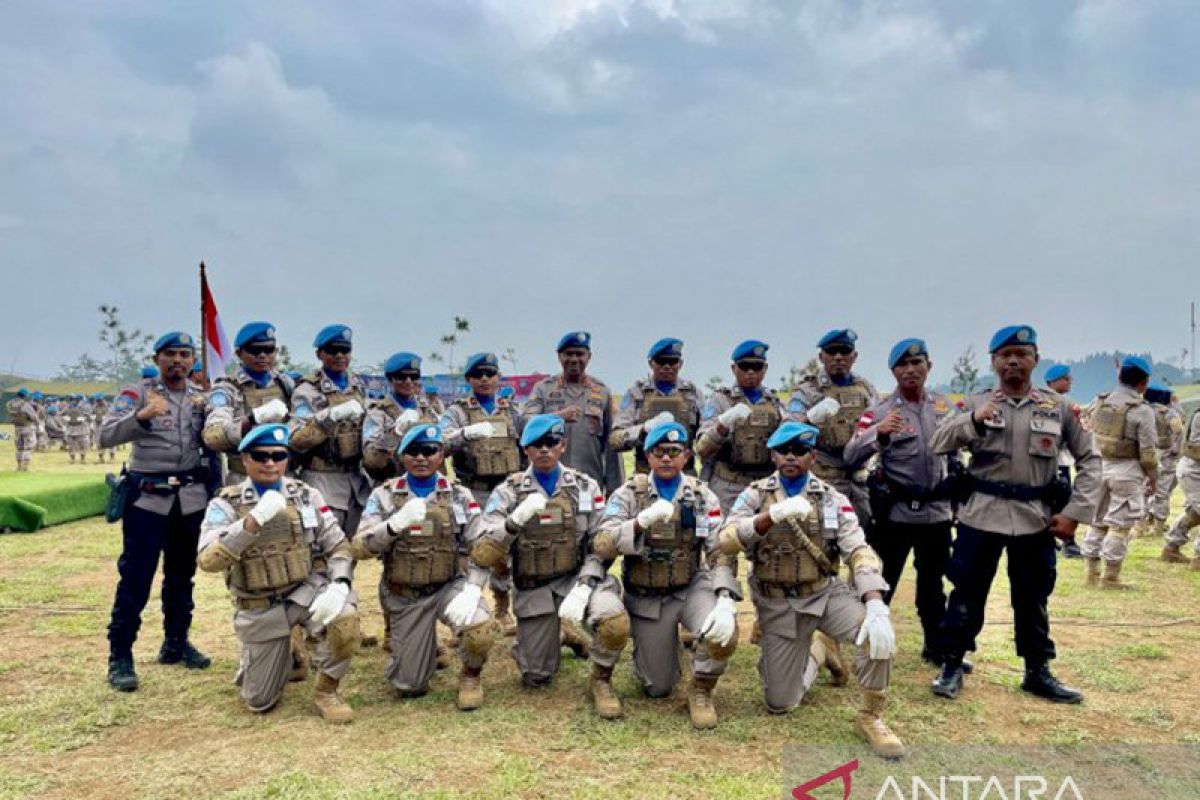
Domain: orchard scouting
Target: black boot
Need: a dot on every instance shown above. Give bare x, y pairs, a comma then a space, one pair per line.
174, 651
936, 659
121, 675
1041, 683
1071, 550
950, 682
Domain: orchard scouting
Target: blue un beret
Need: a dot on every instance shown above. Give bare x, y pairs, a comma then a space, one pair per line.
402, 360
174, 339
37, 395
1013, 334
575, 339
254, 332
22, 392
149, 372
1057, 372
666, 347
480, 360
751, 348
333, 334
1158, 393
905, 348
671, 432
539, 426
419, 434
838, 336
273, 434
788, 431
1138, 363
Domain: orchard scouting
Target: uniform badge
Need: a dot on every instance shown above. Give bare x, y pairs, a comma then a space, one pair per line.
672, 436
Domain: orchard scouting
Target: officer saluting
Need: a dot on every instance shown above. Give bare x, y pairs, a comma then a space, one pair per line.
162, 416
1014, 435
662, 397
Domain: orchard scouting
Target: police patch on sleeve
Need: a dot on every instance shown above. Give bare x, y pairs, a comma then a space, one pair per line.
216, 515
220, 398
796, 405
493, 503
613, 508
372, 505
710, 410
303, 410
626, 400
370, 428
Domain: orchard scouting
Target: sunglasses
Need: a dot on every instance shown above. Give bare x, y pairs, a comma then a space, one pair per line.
547, 442
258, 349
751, 366
265, 456
838, 350
667, 361
793, 449
338, 349
426, 450
667, 452
404, 376
483, 373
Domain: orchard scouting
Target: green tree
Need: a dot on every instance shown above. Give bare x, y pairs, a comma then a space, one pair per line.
966, 374
510, 356
85, 370
127, 349
449, 342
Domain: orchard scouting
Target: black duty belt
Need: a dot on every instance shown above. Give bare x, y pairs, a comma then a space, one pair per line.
164, 482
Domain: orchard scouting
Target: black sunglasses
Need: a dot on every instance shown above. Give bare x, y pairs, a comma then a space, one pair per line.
258, 349
404, 376
338, 349
667, 361
425, 450
751, 366
548, 441
265, 456
667, 451
793, 449
838, 350
486, 372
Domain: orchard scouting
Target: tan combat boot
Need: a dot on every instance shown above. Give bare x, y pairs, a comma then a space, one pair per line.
298, 643
700, 702
756, 633
608, 705
1112, 578
1171, 555
1158, 527
573, 640
869, 723
1091, 575
826, 653
1195, 565
508, 625
329, 703
470, 690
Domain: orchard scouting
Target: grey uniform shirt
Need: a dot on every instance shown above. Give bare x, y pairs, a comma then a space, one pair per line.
1021, 447
1140, 426
710, 440
812, 390
169, 443
455, 419
375, 538
380, 436
228, 410
907, 456
587, 438
627, 425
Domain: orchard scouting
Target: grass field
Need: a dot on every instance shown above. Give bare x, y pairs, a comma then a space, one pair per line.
64, 734
66, 491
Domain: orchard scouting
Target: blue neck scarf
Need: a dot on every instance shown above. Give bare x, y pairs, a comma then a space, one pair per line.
260, 488
260, 378
421, 487
340, 379
793, 486
846, 381
664, 388
753, 395
488, 403
549, 481
668, 489
404, 402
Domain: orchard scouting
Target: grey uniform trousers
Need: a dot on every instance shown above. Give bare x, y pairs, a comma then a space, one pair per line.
538, 648
414, 634
654, 624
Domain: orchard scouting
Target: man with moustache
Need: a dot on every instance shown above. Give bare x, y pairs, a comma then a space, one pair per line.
389, 419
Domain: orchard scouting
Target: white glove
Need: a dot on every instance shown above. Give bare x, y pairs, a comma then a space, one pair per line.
528, 507
271, 411
658, 511
270, 504
877, 629
661, 418
730, 418
721, 623
575, 604
351, 409
461, 610
408, 417
797, 506
479, 430
329, 603
822, 411
413, 511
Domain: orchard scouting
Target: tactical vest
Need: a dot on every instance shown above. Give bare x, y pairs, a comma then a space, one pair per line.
1190, 448
17, 414
77, 421
1162, 427
495, 456
548, 546
654, 404
253, 397
424, 555
342, 451
1108, 428
781, 559
838, 429
279, 558
671, 555
748, 445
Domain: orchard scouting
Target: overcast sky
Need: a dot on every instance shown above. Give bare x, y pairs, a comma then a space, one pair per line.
708, 169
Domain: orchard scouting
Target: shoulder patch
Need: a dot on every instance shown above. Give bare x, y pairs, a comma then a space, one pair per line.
220, 398
216, 515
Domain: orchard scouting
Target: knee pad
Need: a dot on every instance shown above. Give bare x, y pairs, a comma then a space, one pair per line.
604, 546
613, 632
343, 636
719, 652
216, 558
477, 639
488, 554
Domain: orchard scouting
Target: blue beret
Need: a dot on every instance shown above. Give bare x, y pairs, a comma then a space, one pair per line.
198, 366
1138, 363
174, 339
1013, 334
428, 387
36, 395
788, 431
22, 392
1158, 386
671, 432
751, 348
254, 332
1158, 393
507, 392
98, 396
149, 372
666, 347
539, 426
401, 360
295, 374
905, 348
838, 336
418, 434
273, 434
575, 339
1057, 372
481, 360
333, 334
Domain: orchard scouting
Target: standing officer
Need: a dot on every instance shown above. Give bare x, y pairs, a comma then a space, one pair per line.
795, 529
390, 418
99, 410
162, 417
482, 431
326, 422
660, 398
586, 405
1168, 426
257, 394
1014, 435
833, 399
909, 490
1189, 478
661, 523
263, 533
735, 426
418, 523
23, 414
77, 426
545, 518
1059, 379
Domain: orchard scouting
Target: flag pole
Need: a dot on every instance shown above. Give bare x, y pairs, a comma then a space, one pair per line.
203, 326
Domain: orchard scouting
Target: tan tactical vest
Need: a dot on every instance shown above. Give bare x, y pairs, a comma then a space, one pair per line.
343, 449
837, 430
781, 559
252, 398
671, 557
1191, 449
17, 414
748, 445
424, 554
1109, 430
654, 404
281, 554
496, 456
548, 547
1162, 427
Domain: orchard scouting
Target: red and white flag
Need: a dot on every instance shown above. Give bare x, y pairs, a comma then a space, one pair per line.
217, 351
